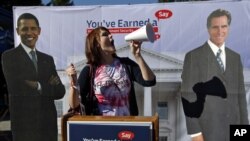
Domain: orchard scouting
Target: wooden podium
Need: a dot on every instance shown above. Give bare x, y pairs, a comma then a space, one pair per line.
118, 119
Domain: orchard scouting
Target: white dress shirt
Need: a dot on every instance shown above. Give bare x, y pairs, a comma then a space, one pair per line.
215, 50
27, 50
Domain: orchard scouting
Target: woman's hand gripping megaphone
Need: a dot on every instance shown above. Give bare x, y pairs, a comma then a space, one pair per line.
135, 47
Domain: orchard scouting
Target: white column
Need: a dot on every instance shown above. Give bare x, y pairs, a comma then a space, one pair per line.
147, 101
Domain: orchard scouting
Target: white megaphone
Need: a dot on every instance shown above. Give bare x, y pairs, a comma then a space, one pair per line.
145, 33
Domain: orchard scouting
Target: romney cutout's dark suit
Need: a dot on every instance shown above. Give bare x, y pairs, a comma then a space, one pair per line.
219, 112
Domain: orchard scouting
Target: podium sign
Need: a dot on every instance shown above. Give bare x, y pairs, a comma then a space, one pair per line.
109, 131
110, 128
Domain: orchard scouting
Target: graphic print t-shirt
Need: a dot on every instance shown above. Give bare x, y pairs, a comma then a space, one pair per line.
112, 87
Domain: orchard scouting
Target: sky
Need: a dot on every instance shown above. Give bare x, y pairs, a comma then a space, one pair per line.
107, 2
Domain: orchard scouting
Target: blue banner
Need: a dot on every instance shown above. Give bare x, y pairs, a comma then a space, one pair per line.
109, 131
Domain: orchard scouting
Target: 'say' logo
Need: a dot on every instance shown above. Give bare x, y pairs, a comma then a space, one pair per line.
163, 14
126, 135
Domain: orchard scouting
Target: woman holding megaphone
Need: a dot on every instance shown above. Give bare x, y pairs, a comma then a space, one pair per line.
105, 85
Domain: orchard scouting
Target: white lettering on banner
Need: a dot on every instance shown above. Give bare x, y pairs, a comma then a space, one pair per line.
108, 140
126, 136
85, 139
